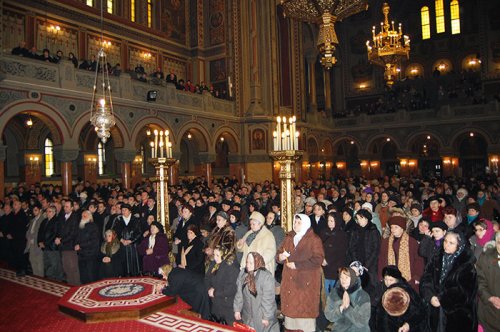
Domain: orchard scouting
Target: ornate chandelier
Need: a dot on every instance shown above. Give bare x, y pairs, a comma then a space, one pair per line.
101, 112
389, 47
325, 13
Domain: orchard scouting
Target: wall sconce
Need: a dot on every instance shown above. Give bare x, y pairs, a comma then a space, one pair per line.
53, 32
339, 165
363, 164
147, 56
411, 163
106, 44
34, 164
189, 136
374, 164
29, 122
403, 162
91, 163
222, 139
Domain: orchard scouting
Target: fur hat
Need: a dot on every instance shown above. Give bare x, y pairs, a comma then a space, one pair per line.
223, 215
439, 224
367, 206
392, 271
310, 201
395, 209
257, 216
396, 301
397, 220
416, 206
365, 213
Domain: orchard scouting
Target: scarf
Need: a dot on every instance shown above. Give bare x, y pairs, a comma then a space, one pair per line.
249, 282
306, 224
470, 219
251, 237
488, 235
447, 262
403, 263
110, 248
152, 240
481, 200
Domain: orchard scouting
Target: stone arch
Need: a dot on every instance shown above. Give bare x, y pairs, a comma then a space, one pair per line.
456, 139
349, 138
118, 133
230, 138
199, 135
411, 139
56, 123
377, 140
154, 122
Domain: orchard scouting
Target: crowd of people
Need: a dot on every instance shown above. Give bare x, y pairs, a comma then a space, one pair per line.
138, 73
392, 254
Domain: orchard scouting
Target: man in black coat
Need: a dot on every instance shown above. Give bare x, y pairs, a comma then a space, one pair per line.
180, 237
46, 240
128, 229
66, 240
16, 235
87, 246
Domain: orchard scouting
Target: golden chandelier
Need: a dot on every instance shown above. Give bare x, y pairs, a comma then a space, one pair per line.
325, 13
389, 47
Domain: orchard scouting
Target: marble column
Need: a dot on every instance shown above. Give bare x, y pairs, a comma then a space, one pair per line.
313, 99
328, 92
3, 149
67, 157
125, 158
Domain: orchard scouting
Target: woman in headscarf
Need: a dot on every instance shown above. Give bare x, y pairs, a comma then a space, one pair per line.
192, 256
222, 235
301, 254
335, 242
154, 249
348, 305
254, 300
220, 281
449, 285
111, 256
483, 233
400, 308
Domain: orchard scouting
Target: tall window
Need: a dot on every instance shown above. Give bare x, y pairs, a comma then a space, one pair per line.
90, 3
426, 23
132, 10
49, 157
101, 158
150, 16
439, 16
109, 6
455, 17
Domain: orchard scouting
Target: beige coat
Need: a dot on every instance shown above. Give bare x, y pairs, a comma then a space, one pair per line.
264, 244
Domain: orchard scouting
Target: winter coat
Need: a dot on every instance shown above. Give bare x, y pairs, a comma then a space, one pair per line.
264, 244
364, 246
278, 233
335, 243
68, 232
457, 292
195, 259
114, 268
88, 238
159, 257
356, 317
416, 261
416, 315
428, 248
223, 281
317, 226
48, 233
300, 287
488, 278
254, 309
190, 287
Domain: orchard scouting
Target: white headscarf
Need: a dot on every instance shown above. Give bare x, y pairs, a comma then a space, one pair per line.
306, 224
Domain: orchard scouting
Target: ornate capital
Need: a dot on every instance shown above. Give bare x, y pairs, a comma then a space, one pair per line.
124, 156
64, 154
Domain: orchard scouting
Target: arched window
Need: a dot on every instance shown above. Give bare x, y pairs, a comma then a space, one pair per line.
426, 23
150, 16
439, 16
101, 158
109, 6
455, 17
132, 10
49, 157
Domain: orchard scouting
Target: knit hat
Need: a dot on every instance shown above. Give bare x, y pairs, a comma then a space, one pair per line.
365, 213
396, 301
367, 206
223, 215
439, 224
257, 216
357, 266
416, 206
397, 220
310, 201
392, 271
159, 226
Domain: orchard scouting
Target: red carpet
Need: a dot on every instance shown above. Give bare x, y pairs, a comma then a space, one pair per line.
30, 304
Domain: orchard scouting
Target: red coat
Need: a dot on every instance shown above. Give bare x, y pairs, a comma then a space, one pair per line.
434, 215
301, 287
416, 262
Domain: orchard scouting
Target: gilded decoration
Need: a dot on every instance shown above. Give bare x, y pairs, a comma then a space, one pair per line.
216, 20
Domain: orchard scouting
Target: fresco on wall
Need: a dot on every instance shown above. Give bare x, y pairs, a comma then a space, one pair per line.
258, 140
173, 19
218, 70
216, 21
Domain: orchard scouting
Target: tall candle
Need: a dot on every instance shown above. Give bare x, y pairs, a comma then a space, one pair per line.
152, 145
278, 132
296, 139
285, 128
161, 144
156, 143
275, 140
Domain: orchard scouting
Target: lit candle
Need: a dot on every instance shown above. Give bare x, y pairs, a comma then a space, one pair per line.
156, 144
152, 145
285, 130
296, 140
292, 132
283, 140
169, 151
275, 140
161, 144
278, 132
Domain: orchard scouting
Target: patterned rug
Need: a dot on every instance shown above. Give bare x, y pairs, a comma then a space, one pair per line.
33, 307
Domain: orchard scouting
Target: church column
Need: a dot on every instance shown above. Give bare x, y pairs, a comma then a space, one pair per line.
205, 166
313, 100
3, 149
328, 92
66, 156
125, 158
